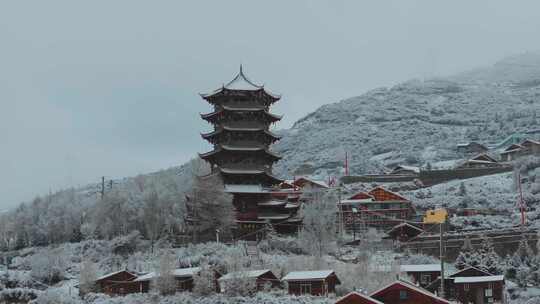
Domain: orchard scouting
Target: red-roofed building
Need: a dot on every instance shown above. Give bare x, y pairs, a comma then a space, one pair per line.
403, 292
380, 194
379, 208
472, 285
316, 282
357, 298
117, 283
361, 195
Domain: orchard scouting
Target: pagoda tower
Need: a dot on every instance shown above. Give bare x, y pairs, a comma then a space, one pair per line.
241, 138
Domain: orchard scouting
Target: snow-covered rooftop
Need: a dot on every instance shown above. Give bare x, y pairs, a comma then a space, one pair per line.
110, 274
243, 274
245, 189
421, 268
272, 216
409, 168
495, 278
147, 277
357, 294
180, 272
307, 275
413, 287
272, 203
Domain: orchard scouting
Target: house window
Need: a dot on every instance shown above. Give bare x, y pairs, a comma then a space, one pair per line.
403, 295
305, 288
425, 278
466, 287
488, 292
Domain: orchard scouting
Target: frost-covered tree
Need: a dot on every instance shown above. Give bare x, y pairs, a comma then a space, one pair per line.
209, 204
318, 233
87, 277
55, 297
483, 257
204, 282
48, 267
523, 265
152, 217
165, 282
464, 258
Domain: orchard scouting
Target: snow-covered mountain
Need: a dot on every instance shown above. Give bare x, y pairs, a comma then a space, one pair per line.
415, 122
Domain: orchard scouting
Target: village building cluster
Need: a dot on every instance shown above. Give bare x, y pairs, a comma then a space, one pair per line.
470, 285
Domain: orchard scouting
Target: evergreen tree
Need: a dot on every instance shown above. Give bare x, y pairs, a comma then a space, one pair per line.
484, 257
462, 189
76, 236
488, 259
524, 253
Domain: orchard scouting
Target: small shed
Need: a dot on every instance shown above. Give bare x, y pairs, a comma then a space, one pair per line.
116, 283
512, 152
404, 292
182, 276
531, 146
403, 232
260, 279
482, 160
450, 287
422, 275
357, 298
317, 283
480, 289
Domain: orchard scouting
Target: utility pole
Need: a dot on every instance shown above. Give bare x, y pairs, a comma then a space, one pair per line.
441, 256
521, 205
102, 187
342, 219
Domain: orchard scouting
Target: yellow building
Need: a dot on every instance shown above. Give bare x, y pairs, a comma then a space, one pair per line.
435, 216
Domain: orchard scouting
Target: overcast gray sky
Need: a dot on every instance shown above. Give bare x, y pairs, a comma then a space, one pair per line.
110, 87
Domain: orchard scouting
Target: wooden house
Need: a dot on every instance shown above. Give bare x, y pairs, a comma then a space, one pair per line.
182, 276
260, 279
117, 283
357, 298
422, 275
512, 152
379, 208
403, 292
482, 160
480, 289
317, 283
471, 147
531, 147
472, 285
403, 232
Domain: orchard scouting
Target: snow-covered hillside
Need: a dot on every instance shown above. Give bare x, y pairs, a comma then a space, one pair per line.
417, 121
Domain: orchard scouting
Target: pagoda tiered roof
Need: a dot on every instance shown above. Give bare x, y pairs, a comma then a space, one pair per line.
250, 172
272, 203
211, 136
228, 148
212, 116
241, 83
